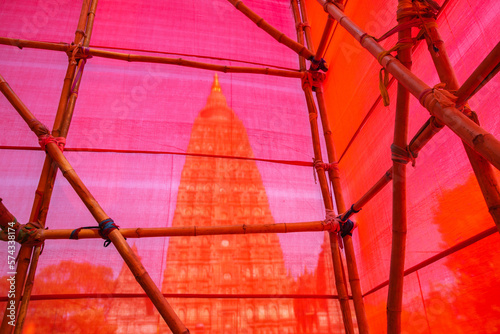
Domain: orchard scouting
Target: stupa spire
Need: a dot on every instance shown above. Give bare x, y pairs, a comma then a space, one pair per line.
216, 86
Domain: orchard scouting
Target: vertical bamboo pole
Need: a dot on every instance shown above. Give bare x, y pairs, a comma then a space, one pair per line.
45, 185
399, 224
334, 175
338, 267
98, 213
482, 168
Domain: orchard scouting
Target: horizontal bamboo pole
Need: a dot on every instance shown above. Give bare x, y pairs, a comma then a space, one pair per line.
65, 296
153, 59
481, 75
191, 231
98, 213
472, 134
300, 49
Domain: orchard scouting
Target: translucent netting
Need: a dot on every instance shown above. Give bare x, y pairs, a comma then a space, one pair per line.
445, 205
139, 121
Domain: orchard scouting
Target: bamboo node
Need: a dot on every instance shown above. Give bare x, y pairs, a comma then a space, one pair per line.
326, 166
37, 127
403, 155
302, 25
43, 140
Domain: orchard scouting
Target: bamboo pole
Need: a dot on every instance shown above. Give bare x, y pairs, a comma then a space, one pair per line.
338, 267
324, 38
334, 175
307, 27
399, 219
299, 48
189, 231
482, 169
153, 59
44, 189
60, 129
475, 136
481, 75
98, 213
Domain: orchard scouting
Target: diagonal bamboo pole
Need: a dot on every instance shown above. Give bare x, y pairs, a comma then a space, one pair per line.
45, 186
151, 59
482, 169
440, 106
299, 48
399, 219
98, 213
338, 267
481, 75
334, 175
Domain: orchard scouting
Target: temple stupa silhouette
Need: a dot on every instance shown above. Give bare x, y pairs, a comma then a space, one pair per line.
225, 191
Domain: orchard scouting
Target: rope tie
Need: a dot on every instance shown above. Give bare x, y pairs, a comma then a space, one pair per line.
402, 155
74, 233
105, 228
383, 75
25, 233
331, 222
43, 140
307, 81
442, 96
326, 166
349, 213
302, 25
317, 65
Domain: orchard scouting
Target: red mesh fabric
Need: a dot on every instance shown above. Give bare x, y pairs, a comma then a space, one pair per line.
140, 124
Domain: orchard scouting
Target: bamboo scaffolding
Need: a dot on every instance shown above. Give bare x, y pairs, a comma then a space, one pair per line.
299, 48
190, 231
98, 213
60, 129
399, 223
44, 190
152, 59
334, 175
475, 136
305, 24
324, 38
482, 169
481, 75
338, 267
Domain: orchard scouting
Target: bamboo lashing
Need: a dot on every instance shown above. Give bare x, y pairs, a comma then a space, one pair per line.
480, 76
475, 136
338, 266
482, 169
300, 49
152, 59
98, 213
399, 223
44, 188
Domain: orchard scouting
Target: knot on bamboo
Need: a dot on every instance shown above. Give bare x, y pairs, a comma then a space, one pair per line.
78, 51
28, 234
105, 228
402, 155
417, 8
317, 65
440, 95
349, 212
331, 222
37, 127
312, 80
326, 166
43, 140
